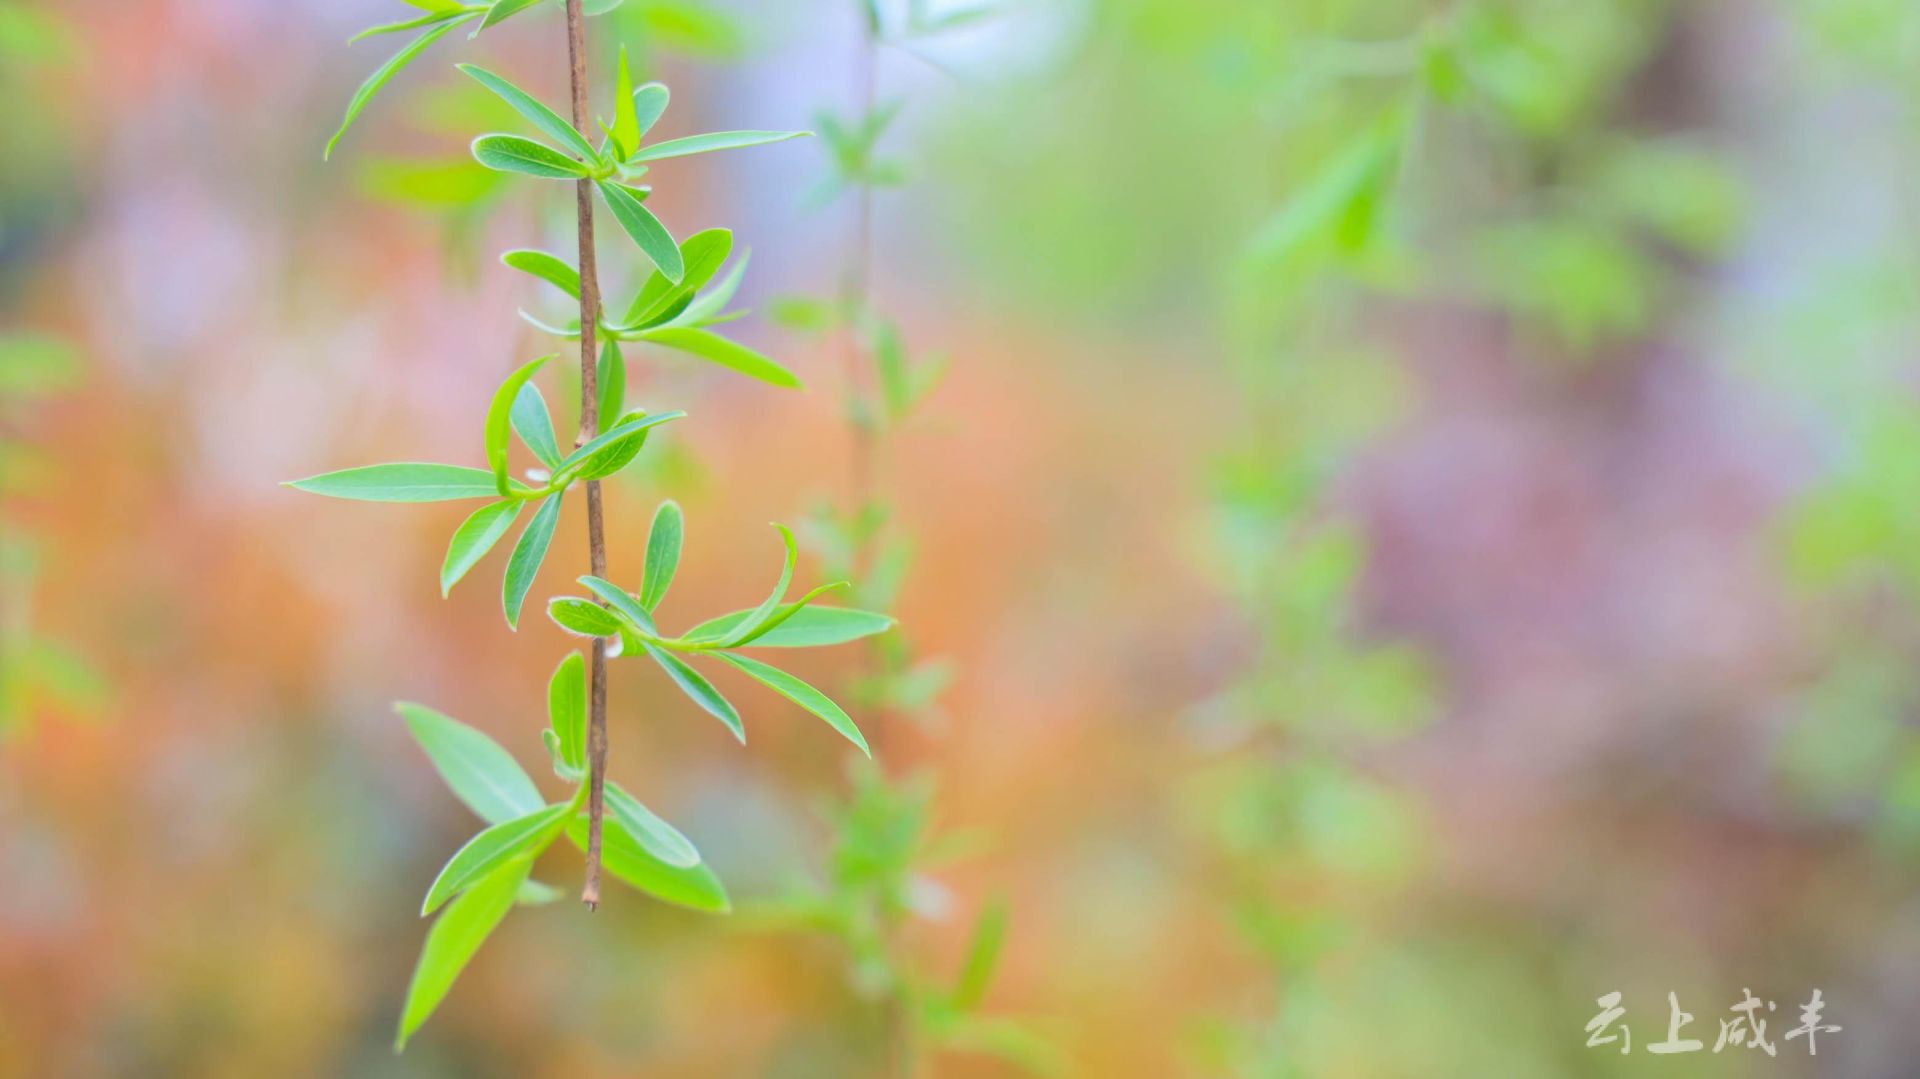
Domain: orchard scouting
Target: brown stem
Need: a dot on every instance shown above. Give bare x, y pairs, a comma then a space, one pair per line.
589, 427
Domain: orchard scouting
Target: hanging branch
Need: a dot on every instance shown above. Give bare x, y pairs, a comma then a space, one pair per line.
683, 296
590, 427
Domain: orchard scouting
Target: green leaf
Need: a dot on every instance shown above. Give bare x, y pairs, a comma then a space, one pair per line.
1340, 207
805, 313
402, 26
454, 939
983, 954
759, 615
624, 858
803, 695
549, 268
384, 75
714, 140
649, 104
696, 686
502, 10
663, 554
626, 120
406, 481
522, 837
652, 237
622, 602
527, 555
511, 153
744, 638
603, 450
440, 7
482, 775
711, 346
567, 709
707, 307
805, 627
535, 425
571, 331
702, 254
474, 538
500, 421
656, 294
542, 117
655, 836
572, 773
612, 373
584, 617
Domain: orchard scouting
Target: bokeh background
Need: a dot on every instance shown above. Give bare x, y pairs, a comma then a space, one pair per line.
1421, 522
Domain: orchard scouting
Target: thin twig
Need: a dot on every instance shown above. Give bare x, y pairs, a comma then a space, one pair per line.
589, 427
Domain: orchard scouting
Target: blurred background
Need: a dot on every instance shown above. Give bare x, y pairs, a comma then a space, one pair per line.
1417, 534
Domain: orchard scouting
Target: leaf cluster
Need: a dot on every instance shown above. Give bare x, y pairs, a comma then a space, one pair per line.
678, 302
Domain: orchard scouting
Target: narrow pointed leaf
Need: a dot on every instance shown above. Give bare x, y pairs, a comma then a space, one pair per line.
656, 836
808, 627
983, 954
612, 373
759, 615
527, 555
502, 10
500, 421
703, 254
474, 538
714, 140
584, 617
742, 638
567, 709
405, 481
454, 939
480, 773
696, 686
572, 773
535, 425
708, 306
522, 837
511, 153
803, 695
542, 117
652, 237
696, 887
552, 269
663, 554
384, 75
649, 104
626, 121
617, 597
401, 27
711, 346
656, 292
571, 331
605, 442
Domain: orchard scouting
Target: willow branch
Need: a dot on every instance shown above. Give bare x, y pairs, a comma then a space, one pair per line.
589, 427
